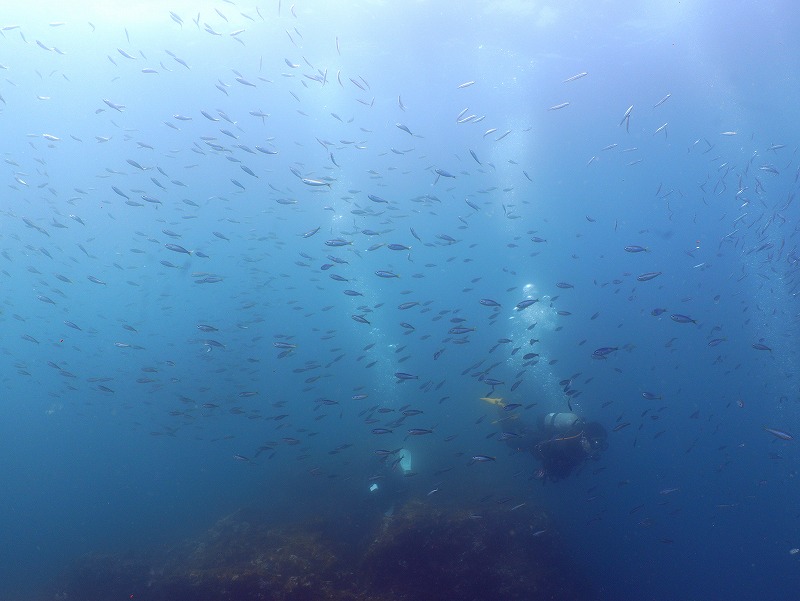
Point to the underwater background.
(276, 257)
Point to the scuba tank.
(559, 423)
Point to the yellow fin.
(494, 400)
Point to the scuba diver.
(561, 441)
(389, 486)
(569, 441)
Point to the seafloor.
(418, 553)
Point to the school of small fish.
(294, 259)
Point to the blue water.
(133, 432)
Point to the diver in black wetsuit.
(389, 486)
(561, 441)
(568, 441)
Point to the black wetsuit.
(562, 452)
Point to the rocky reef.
(418, 553)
